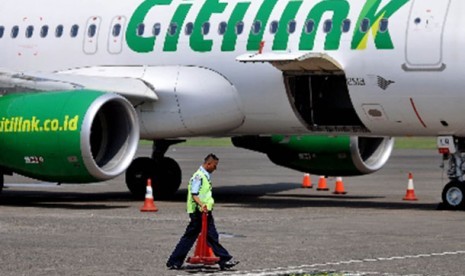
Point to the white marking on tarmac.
(304, 269)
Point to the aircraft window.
(156, 29)
(257, 25)
(116, 30)
(327, 26)
(189, 28)
(239, 27)
(59, 31)
(222, 28)
(173, 28)
(274, 26)
(140, 29)
(2, 31)
(44, 31)
(346, 25)
(365, 25)
(29, 31)
(291, 26)
(384, 24)
(309, 26)
(206, 28)
(74, 30)
(14, 31)
(92, 31)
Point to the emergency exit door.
(424, 45)
(91, 35)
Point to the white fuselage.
(412, 88)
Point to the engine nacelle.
(323, 155)
(68, 136)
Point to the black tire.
(453, 195)
(139, 171)
(2, 180)
(168, 178)
(164, 172)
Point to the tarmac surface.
(265, 219)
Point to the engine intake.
(323, 155)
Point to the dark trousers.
(190, 236)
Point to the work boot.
(227, 265)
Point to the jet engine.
(323, 155)
(67, 136)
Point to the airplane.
(320, 86)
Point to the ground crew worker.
(200, 199)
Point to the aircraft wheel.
(1, 183)
(137, 174)
(168, 178)
(453, 196)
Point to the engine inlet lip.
(131, 144)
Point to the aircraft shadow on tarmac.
(64, 200)
(269, 195)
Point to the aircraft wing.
(134, 89)
(294, 61)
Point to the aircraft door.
(115, 36)
(91, 35)
(424, 43)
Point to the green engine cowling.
(67, 136)
(323, 155)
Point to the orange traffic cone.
(322, 184)
(339, 190)
(307, 182)
(203, 253)
(410, 195)
(149, 205)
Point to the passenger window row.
(43, 31)
(257, 26)
(173, 28)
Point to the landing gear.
(164, 172)
(453, 194)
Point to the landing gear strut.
(453, 150)
(164, 172)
